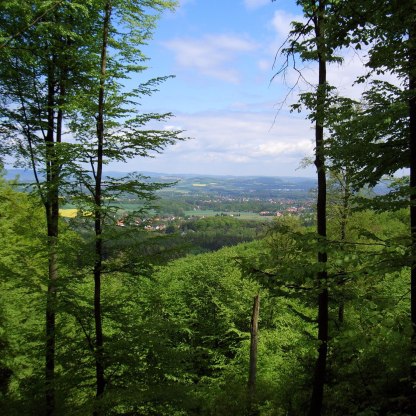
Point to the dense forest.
(216, 316)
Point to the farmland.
(245, 198)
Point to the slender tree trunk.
(99, 362)
(343, 229)
(50, 328)
(320, 367)
(253, 355)
(53, 172)
(52, 215)
(412, 146)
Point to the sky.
(222, 54)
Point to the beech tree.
(109, 127)
(57, 72)
(385, 127)
(41, 69)
(309, 40)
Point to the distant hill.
(217, 184)
(27, 175)
(22, 175)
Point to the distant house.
(266, 213)
(292, 209)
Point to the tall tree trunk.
(52, 215)
(320, 367)
(99, 362)
(412, 146)
(56, 97)
(346, 195)
(253, 355)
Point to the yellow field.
(68, 212)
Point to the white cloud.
(345, 75)
(282, 20)
(264, 64)
(342, 76)
(281, 25)
(255, 4)
(236, 142)
(274, 148)
(172, 128)
(211, 55)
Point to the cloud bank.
(236, 143)
(212, 55)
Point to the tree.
(391, 43)
(110, 128)
(310, 41)
(253, 356)
(42, 67)
(21, 275)
(56, 53)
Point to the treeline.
(170, 205)
(178, 239)
(211, 234)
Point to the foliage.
(176, 323)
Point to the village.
(222, 206)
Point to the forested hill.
(189, 182)
(178, 332)
(238, 186)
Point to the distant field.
(72, 213)
(68, 212)
(238, 215)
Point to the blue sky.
(222, 54)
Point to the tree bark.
(412, 147)
(253, 354)
(320, 367)
(99, 343)
(52, 215)
(346, 195)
